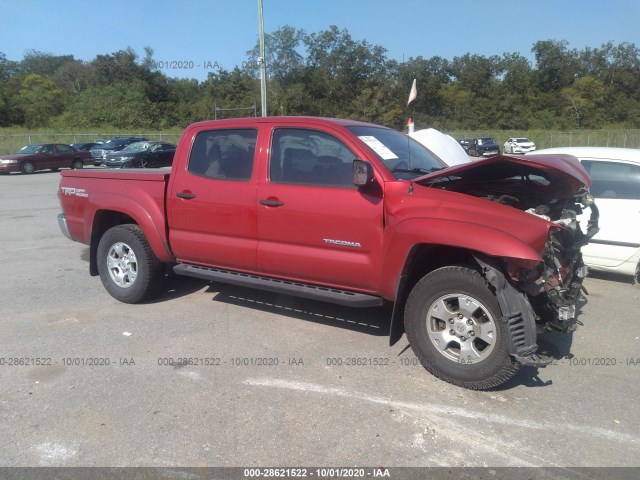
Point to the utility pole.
(263, 68)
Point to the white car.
(519, 145)
(615, 173)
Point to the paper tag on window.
(378, 147)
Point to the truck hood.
(526, 182)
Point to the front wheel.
(77, 164)
(128, 268)
(27, 167)
(453, 322)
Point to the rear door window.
(223, 154)
(614, 179)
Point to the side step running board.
(313, 292)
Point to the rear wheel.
(453, 322)
(128, 268)
(27, 167)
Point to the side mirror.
(362, 173)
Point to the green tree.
(8, 68)
(515, 93)
(230, 89)
(339, 68)
(457, 103)
(557, 66)
(40, 63)
(39, 99)
(73, 78)
(284, 62)
(116, 67)
(121, 105)
(585, 99)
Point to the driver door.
(313, 223)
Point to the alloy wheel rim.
(461, 328)
(122, 264)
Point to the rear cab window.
(226, 154)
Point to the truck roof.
(249, 121)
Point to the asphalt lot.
(269, 389)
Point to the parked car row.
(101, 151)
(487, 146)
(86, 146)
(480, 147)
(142, 155)
(129, 152)
(42, 156)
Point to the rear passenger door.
(616, 189)
(212, 201)
(64, 156)
(314, 225)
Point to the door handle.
(186, 195)
(269, 202)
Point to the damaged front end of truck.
(542, 295)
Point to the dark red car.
(42, 156)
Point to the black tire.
(124, 252)
(27, 167)
(77, 164)
(434, 313)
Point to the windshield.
(113, 143)
(30, 149)
(402, 155)
(137, 147)
(522, 140)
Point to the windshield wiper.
(448, 178)
(421, 171)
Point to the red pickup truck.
(476, 259)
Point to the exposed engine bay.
(555, 195)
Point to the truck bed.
(90, 196)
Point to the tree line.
(329, 73)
